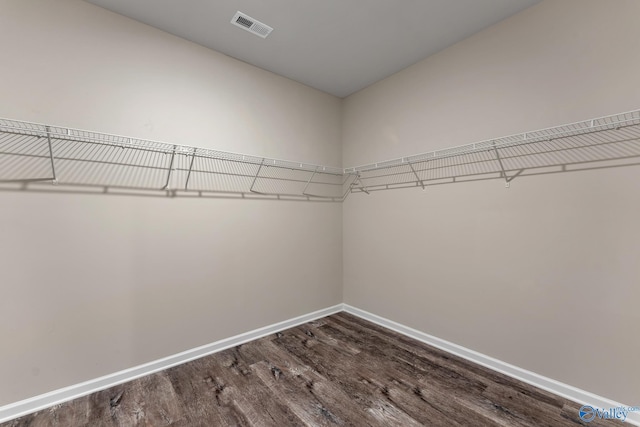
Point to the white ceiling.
(337, 46)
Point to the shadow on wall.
(359, 187)
(50, 188)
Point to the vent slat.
(244, 21)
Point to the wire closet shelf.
(591, 144)
(32, 154)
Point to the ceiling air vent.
(252, 25)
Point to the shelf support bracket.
(193, 157)
(255, 178)
(421, 182)
(54, 181)
(362, 187)
(344, 196)
(173, 155)
(507, 180)
(304, 192)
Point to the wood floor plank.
(365, 376)
(420, 356)
(409, 361)
(326, 395)
(339, 370)
(149, 400)
(229, 388)
(446, 359)
(204, 395)
(252, 395)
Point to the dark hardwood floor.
(340, 370)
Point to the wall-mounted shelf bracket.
(173, 156)
(54, 180)
(193, 157)
(304, 191)
(255, 178)
(421, 182)
(362, 187)
(507, 179)
(349, 189)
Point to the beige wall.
(95, 284)
(544, 275)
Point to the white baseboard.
(37, 403)
(569, 392)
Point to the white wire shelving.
(76, 160)
(591, 144)
(33, 153)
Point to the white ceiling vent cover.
(252, 25)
